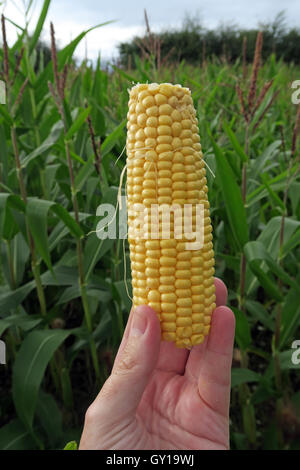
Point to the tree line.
(193, 43)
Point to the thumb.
(134, 363)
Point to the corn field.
(63, 297)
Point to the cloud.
(71, 17)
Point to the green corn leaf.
(270, 235)
(50, 418)
(268, 155)
(23, 321)
(241, 376)
(72, 445)
(260, 314)
(242, 329)
(48, 143)
(94, 250)
(32, 359)
(14, 436)
(214, 90)
(78, 123)
(274, 197)
(126, 75)
(37, 213)
(11, 299)
(122, 291)
(235, 143)
(255, 253)
(290, 316)
(111, 140)
(291, 243)
(232, 197)
(39, 26)
(84, 173)
(6, 115)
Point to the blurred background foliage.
(63, 295)
(193, 42)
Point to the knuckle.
(129, 359)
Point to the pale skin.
(160, 397)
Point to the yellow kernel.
(206, 330)
(197, 308)
(141, 119)
(183, 264)
(164, 139)
(168, 244)
(167, 270)
(153, 283)
(154, 296)
(183, 321)
(168, 317)
(178, 157)
(173, 101)
(151, 155)
(143, 93)
(164, 130)
(152, 245)
(163, 289)
(182, 283)
(165, 191)
(198, 317)
(148, 101)
(167, 261)
(168, 297)
(164, 164)
(153, 111)
(160, 99)
(184, 311)
(152, 121)
(161, 148)
(166, 89)
(184, 331)
(150, 131)
(152, 263)
(166, 156)
(169, 252)
(183, 343)
(165, 109)
(150, 142)
(149, 184)
(133, 118)
(184, 302)
(139, 108)
(166, 120)
(167, 280)
(176, 143)
(184, 256)
(176, 115)
(168, 307)
(155, 306)
(164, 181)
(176, 129)
(165, 200)
(179, 176)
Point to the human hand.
(161, 397)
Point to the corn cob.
(165, 166)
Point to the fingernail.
(139, 322)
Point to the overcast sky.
(70, 17)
